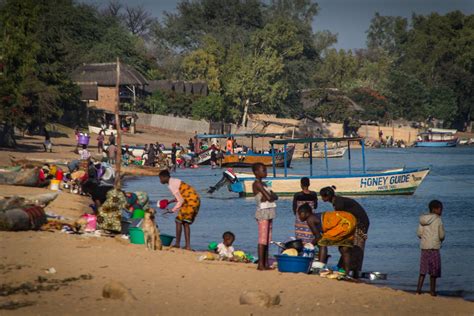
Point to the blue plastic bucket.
(293, 264)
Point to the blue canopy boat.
(388, 182)
(246, 157)
(436, 139)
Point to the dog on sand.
(150, 231)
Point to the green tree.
(201, 65)
(211, 108)
(255, 79)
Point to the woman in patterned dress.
(187, 206)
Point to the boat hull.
(331, 153)
(247, 160)
(396, 182)
(451, 143)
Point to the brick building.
(97, 84)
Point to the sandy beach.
(167, 282)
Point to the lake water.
(392, 247)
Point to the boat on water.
(337, 152)
(246, 157)
(437, 138)
(388, 182)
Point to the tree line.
(256, 57)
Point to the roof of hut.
(105, 74)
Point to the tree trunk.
(7, 136)
(246, 109)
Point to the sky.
(350, 19)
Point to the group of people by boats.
(346, 227)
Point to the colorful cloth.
(110, 213)
(337, 229)
(302, 230)
(137, 200)
(265, 231)
(430, 262)
(190, 206)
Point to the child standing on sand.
(431, 232)
(266, 212)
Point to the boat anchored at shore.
(388, 182)
(246, 158)
(437, 138)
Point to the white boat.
(331, 153)
(388, 182)
(96, 130)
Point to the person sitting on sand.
(431, 234)
(187, 206)
(266, 212)
(305, 196)
(225, 249)
(334, 228)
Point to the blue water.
(392, 247)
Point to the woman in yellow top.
(334, 228)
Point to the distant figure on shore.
(48, 145)
(266, 212)
(229, 146)
(112, 138)
(112, 153)
(100, 141)
(173, 156)
(349, 205)
(305, 196)
(151, 158)
(187, 206)
(84, 153)
(431, 234)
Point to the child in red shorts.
(431, 232)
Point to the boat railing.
(311, 141)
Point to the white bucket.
(54, 185)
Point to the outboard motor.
(228, 177)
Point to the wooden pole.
(118, 160)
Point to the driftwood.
(141, 171)
(32, 162)
(21, 201)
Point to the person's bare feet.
(176, 246)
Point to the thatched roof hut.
(105, 74)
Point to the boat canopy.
(312, 140)
(256, 135)
(315, 140)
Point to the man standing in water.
(187, 205)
